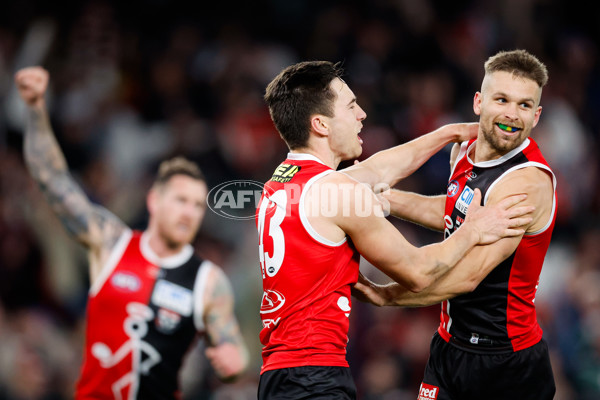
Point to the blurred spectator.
(140, 81)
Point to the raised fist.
(32, 83)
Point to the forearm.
(47, 166)
(43, 155)
(397, 295)
(427, 211)
(392, 165)
(438, 259)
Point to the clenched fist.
(32, 83)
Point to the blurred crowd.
(135, 82)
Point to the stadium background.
(135, 82)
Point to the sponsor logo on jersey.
(453, 187)
(464, 200)
(272, 301)
(428, 392)
(173, 297)
(470, 175)
(235, 199)
(166, 320)
(126, 281)
(474, 338)
(285, 172)
(270, 323)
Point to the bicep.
(377, 240)
(219, 319)
(534, 182)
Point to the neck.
(325, 155)
(160, 246)
(483, 151)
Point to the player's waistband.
(483, 345)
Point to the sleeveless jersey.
(306, 278)
(143, 314)
(500, 312)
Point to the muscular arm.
(227, 351)
(480, 261)
(391, 165)
(91, 225)
(427, 211)
(385, 247)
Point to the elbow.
(469, 286)
(418, 282)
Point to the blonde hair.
(519, 63)
(177, 166)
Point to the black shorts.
(454, 373)
(307, 383)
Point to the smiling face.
(346, 123)
(176, 209)
(508, 107)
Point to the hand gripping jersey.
(500, 312)
(306, 278)
(143, 314)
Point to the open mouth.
(359, 139)
(507, 128)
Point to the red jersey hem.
(298, 363)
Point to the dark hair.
(520, 63)
(298, 92)
(177, 166)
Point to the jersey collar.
(497, 161)
(173, 261)
(304, 157)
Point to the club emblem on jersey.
(166, 320)
(470, 175)
(465, 198)
(453, 187)
(272, 301)
(126, 281)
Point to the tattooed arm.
(92, 225)
(227, 351)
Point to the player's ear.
(152, 200)
(477, 103)
(536, 117)
(319, 124)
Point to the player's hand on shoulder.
(463, 131)
(504, 219)
(32, 83)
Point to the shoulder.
(530, 180)
(215, 281)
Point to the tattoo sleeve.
(221, 324)
(90, 224)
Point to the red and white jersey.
(500, 312)
(306, 278)
(143, 314)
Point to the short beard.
(500, 145)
